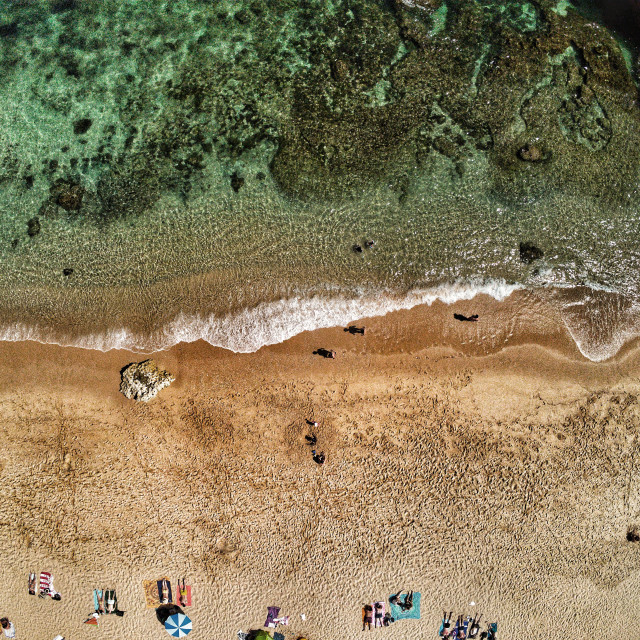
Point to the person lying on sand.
(475, 627)
(32, 584)
(446, 624)
(100, 598)
(459, 316)
(318, 458)
(325, 353)
(311, 440)
(408, 601)
(182, 593)
(164, 598)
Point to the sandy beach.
(508, 479)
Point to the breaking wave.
(267, 323)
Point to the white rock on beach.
(143, 380)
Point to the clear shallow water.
(229, 156)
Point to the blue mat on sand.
(412, 614)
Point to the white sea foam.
(265, 324)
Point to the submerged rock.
(143, 380)
(33, 227)
(529, 252)
(531, 153)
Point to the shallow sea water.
(237, 151)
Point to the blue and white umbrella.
(178, 625)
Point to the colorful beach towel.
(151, 595)
(412, 614)
(271, 617)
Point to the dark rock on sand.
(67, 272)
(142, 380)
(633, 533)
(529, 252)
(33, 227)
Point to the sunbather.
(445, 627)
(32, 584)
(164, 595)
(182, 593)
(492, 630)
(408, 601)
(318, 458)
(378, 608)
(8, 628)
(475, 627)
(112, 602)
(368, 617)
(388, 619)
(100, 599)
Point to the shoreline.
(509, 315)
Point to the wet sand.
(507, 479)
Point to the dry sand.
(507, 479)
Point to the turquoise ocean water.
(172, 171)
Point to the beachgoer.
(182, 591)
(165, 592)
(111, 601)
(408, 601)
(8, 628)
(369, 243)
(475, 627)
(100, 597)
(311, 440)
(388, 619)
(368, 616)
(395, 598)
(312, 423)
(459, 316)
(32, 584)
(491, 631)
(318, 457)
(446, 624)
(325, 353)
(352, 329)
(378, 614)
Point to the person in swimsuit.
(408, 601)
(182, 591)
(100, 597)
(368, 616)
(446, 625)
(111, 601)
(378, 614)
(475, 627)
(32, 584)
(165, 593)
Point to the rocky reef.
(143, 380)
(330, 98)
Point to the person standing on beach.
(8, 628)
(367, 619)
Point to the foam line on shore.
(267, 323)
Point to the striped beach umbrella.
(178, 625)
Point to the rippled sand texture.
(509, 480)
(149, 149)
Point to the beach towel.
(46, 584)
(412, 614)
(151, 597)
(187, 598)
(97, 594)
(492, 630)
(271, 616)
(381, 613)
